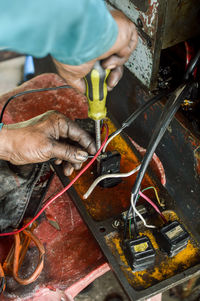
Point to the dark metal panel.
(182, 21)
(178, 150)
(142, 5)
(144, 62)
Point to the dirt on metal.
(164, 267)
(104, 203)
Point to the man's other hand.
(43, 138)
(113, 59)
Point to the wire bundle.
(134, 116)
(168, 113)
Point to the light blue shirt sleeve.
(72, 31)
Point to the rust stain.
(197, 157)
(108, 202)
(105, 203)
(164, 268)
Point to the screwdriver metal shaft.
(98, 133)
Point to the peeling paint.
(140, 62)
(197, 157)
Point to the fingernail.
(93, 149)
(81, 156)
(71, 171)
(68, 172)
(111, 67)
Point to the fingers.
(113, 61)
(114, 77)
(74, 75)
(58, 161)
(78, 84)
(68, 168)
(68, 153)
(70, 129)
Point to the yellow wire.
(156, 193)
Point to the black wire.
(168, 113)
(127, 123)
(28, 92)
(139, 111)
(192, 65)
(126, 221)
(142, 109)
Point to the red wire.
(63, 190)
(189, 55)
(153, 205)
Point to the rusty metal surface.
(144, 61)
(100, 211)
(62, 273)
(178, 150)
(160, 24)
(105, 203)
(164, 267)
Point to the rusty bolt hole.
(102, 229)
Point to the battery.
(109, 164)
(172, 238)
(139, 253)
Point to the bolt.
(116, 223)
(139, 22)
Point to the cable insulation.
(108, 176)
(168, 113)
(153, 205)
(29, 92)
(140, 216)
(156, 193)
(134, 116)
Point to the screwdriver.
(96, 92)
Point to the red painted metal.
(73, 259)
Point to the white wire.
(140, 216)
(111, 138)
(103, 177)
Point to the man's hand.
(42, 138)
(113, 59)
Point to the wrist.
(4, 143)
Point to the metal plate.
(99, 213)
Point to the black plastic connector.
(109, 164)
(139, 253)
(172, 238)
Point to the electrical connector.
(172, 238)
(139, 253)
(109, 163)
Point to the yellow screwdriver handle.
(96, 91)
